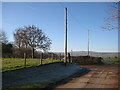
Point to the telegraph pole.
(65, 36)
(71, 56)
(88, 42)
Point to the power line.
(73, 17)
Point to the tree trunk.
(32, 52)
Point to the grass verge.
(18, 63)
(31, 86)
(111, 60)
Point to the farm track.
(100, 76)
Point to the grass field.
(17, 63)
(112, 60)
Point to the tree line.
(27, 39)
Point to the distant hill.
(96, 54)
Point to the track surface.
(100, 76)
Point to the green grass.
(30, 86)
(112, 60)
(18, 63)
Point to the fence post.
(25, 58)
(52, 57)
(60, 56)
(69, 57)
(71, 60)
(41, 58)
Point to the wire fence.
(46, 58)
(26, 61)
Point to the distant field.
(111, 60)
(17, 63)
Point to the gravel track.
(100, 76)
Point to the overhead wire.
(73, 17)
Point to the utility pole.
(65, 36)
(88, 42)
(71, 56)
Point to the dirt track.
(101, 76)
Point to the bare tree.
(3, 37)
(111, 22)
(33, 37)
(19, 37)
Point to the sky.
(50, 17)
